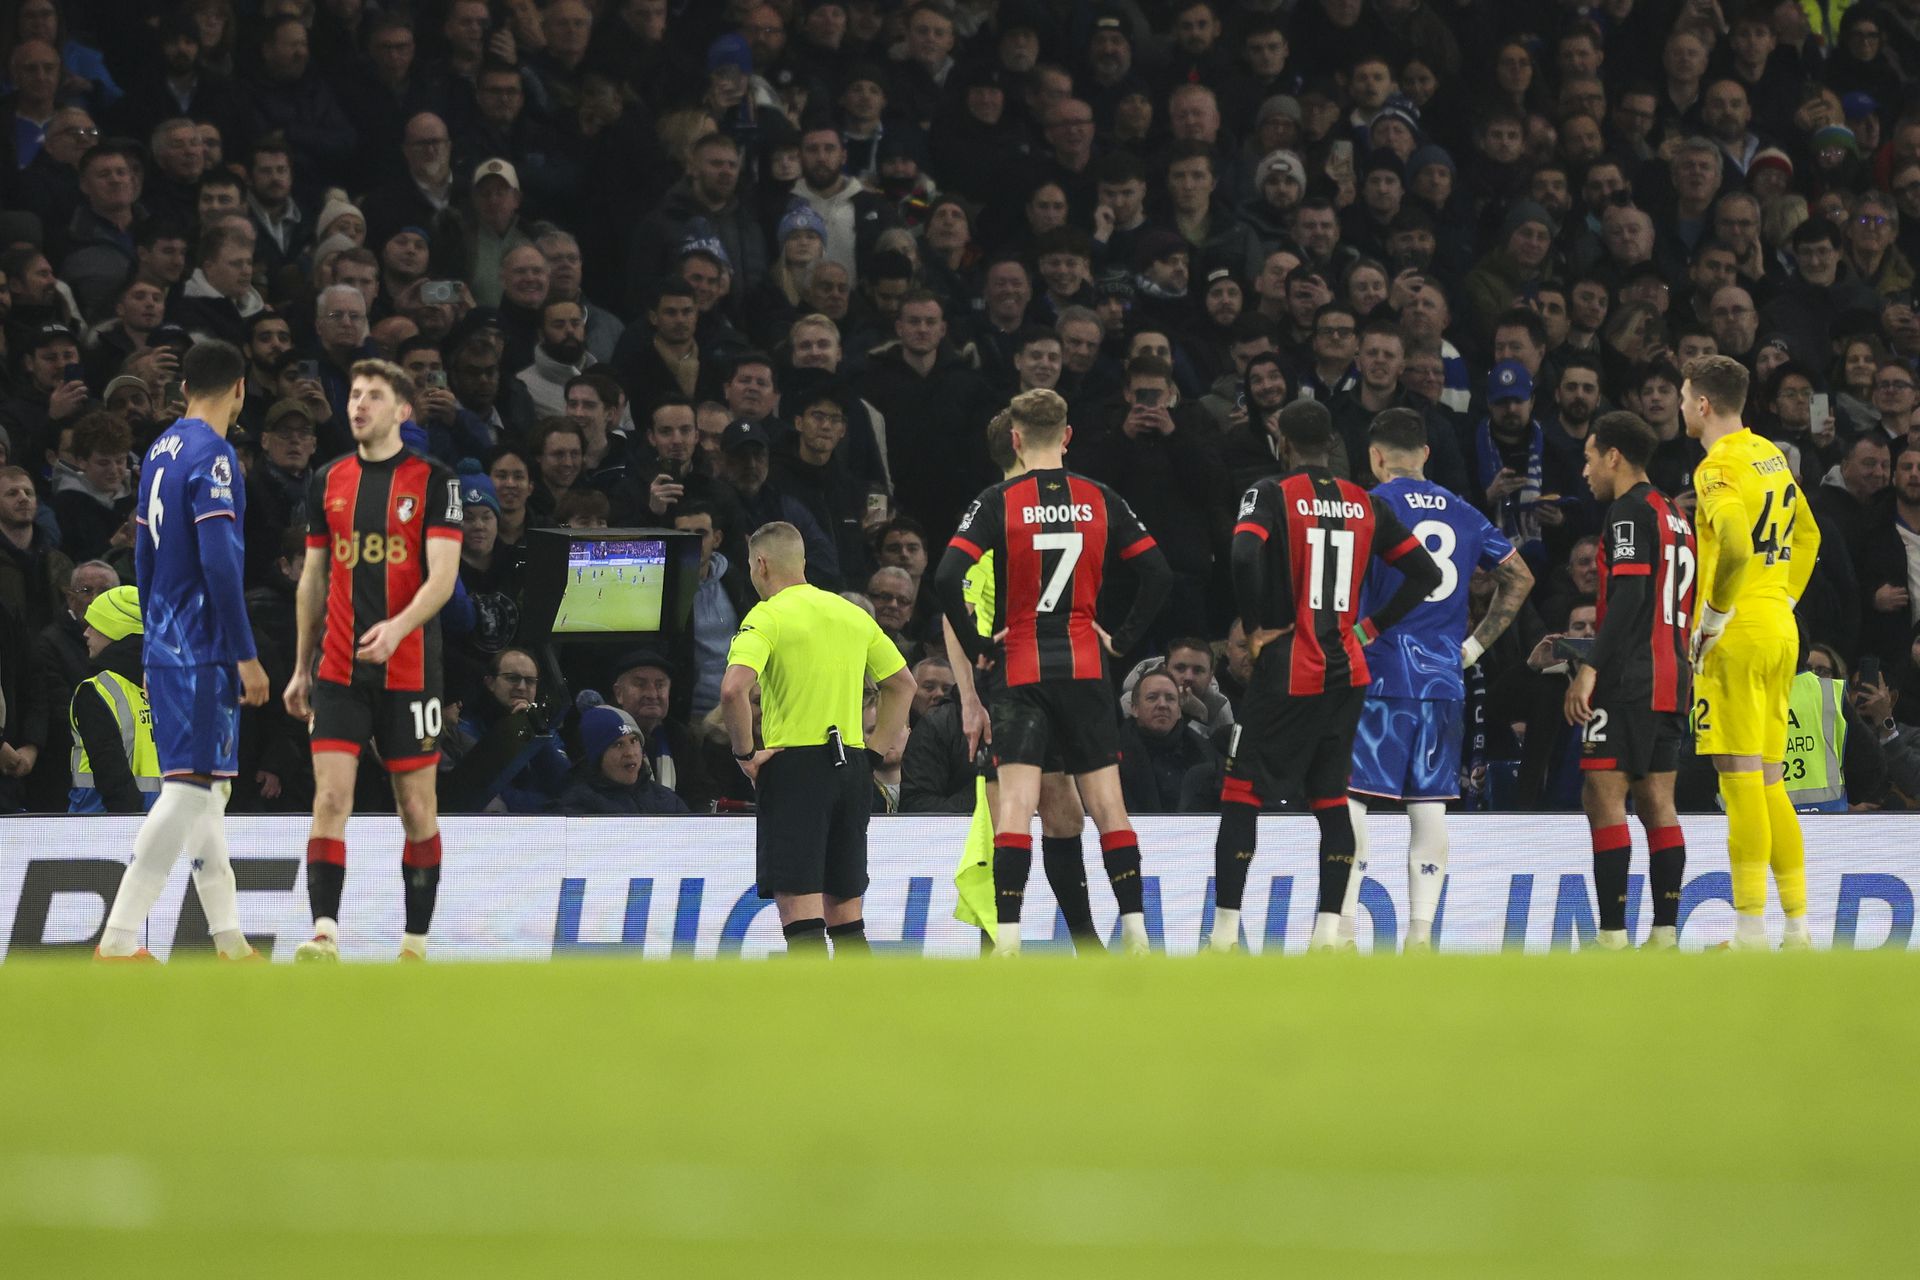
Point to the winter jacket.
(936, 433)
(935, 774)
(592, 792)
(654, 245)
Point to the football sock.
(213, 875)
(1612, 855)
(420, 873)
(1336, 852)
(1120, 851)
(1426, 865)
(1667, 870)
(1788, 850)
(1350, 905)
(1226, 928)
(1012, 864)
(1066, 867)
(806, 937)
(327, 927)
(1233, 851)
(1749, 839)
(165, 832)
(849, 939)
(326, 876)
(413, 944)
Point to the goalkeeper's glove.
(1712, 623)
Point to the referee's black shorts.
(810, 827)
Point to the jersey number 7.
(1069, 545)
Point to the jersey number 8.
(1438, 538)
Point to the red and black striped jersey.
(1315, 535)
(1052, 534)
(374, 518)
(1646, 602)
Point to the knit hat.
(1280, 104)
(330, 245)
(703, 239)
(332, 212)
(1836, 136)
(1858, 105)
(476, 490)
(115, 614)
(600, 728)
(1521, 212)
(801, 216)
(1401, 108)
(1428, 155)
(1289, 161)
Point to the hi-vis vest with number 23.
(1816, 737)
(128, 701)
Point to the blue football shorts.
(1408, 749)
(196, 719)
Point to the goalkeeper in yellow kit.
(1756, 554)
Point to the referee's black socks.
(1012, 864)
(849, 939)
(806, 937)
(1120, 851)
(1066, 867)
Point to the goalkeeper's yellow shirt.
(1746, 492)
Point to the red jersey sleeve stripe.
(1144, 545)
(1402, 549)
(1259, 531)
(962, 544)
(443, 531)
(316, 542)
(1629, 570)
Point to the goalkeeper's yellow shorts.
(1741, 692)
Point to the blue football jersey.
(1420, 656)
(189, 551)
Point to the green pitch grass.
(629, 605)
(1729, 1115)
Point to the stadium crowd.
(709, 263)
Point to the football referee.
(811, 653)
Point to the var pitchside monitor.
(608, 584)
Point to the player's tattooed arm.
(1512, 580)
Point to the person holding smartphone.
(54, 395)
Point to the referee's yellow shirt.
(812, 651)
